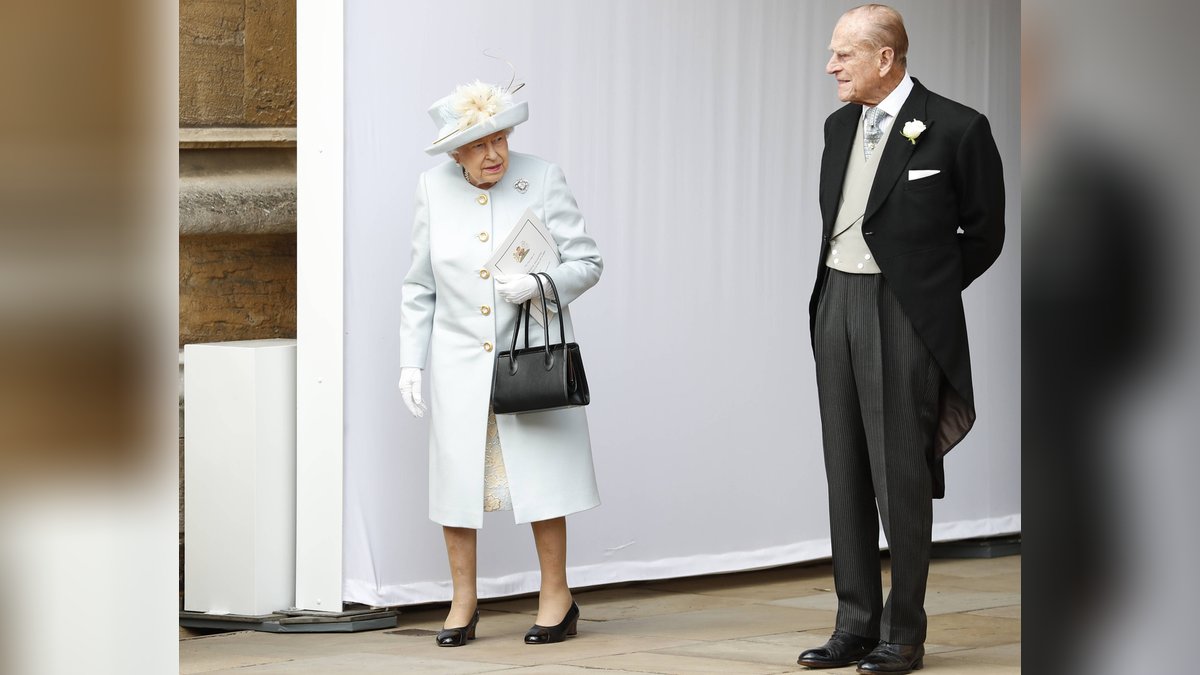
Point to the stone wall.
(237, 166)
(237, 63)
(236, 287)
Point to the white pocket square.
(917, 174)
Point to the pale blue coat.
(443, 322)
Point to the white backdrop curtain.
(691, 133)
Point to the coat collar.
(898, 150)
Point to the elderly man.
(912, 204)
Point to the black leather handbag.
(534, 379)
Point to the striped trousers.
(878, 389)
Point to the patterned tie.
(872, 132)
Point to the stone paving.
(749, 622)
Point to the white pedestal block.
(240, 477)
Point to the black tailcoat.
(931, 237)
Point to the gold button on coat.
(482, 199)
(483, 236)
(485, 310)
(483, 274)
(487, 346)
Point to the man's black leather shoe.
(842, 649)
(893, 658)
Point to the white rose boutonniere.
(912, 130)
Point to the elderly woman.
(453, 315)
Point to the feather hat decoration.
(473, 111)
(478, 102)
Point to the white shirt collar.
(894, 101)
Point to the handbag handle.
(525, 311)
(562, 329)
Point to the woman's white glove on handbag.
(516, 288)
(410, 390)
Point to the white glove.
(410, 391)
(516, 288)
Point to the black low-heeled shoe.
(541, 635)
(457, 637)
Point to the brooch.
(521, 185)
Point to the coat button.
(867, 234)
(483, 236)
(485, 310)
(487, 346)
(482, 199)
(483, 274)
